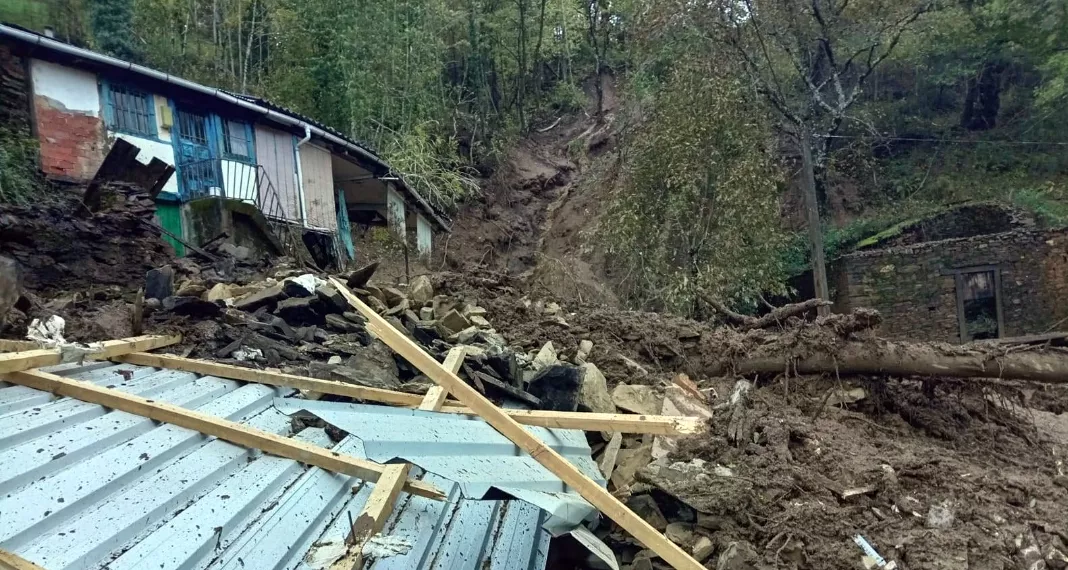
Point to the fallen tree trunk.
(904, 359)
(776, 316)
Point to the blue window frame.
(238, 143)
(129, 110)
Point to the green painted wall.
(170, 217)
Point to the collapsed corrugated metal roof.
(85, 487)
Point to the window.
(130, 110)
(978, 305)
(237, 139)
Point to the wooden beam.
(17, 345)
(436, 395)
(211, 425)
(12, 561)
(508, 427)
(27, 359)
(626, 423)
(270, 378)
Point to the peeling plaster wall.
(66, 105)
(424, 236)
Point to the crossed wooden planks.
(19, 367)
(508, 427)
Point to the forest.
(731, 110)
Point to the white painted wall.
(424, 236)
(74, 89)
(395, 216)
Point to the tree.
(809, 61)
(112, 24)
(697, 210)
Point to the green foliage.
(112, 24)
(26, 13)
(1049, 204)
(19, 179)
(697, 208)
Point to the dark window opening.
(978, 294)
(237, 139)
(131, 110)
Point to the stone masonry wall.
(14, 92)
(907, 285)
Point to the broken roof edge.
(287, 118)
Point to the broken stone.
(628, 463)
(397, 309)
(358, 279)
(593, 395)
(467, 335)
(502, 361)
(238, 252)
(680, 533)
(842, 397)
(557, 387)
(737, 556)
(334, 360)
(425, 334)
(377, 305)
(545, 357)
(492, 339)
(1061, 481)
(393, 296)
(939, 516)
(420, 290)
(296, 289)
(634, 366)
(552, 309)
(474, 311)
(485, 381)
(454, 321)
(442, 305)
(190, 289)
(479, 321)
(340, 324)
(584, 349)
(264, 298)
(426, 314)
(332, 300)
(220, 292)
(191, 307)
(636, 399)
(1056, 559)
(159, 283)
(645, 507)
(410, 316)
(678, 401)
(703, 548)
(299, 311)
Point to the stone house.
(975, 272)
(296, 171)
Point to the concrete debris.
(420, 290)
(637, 399)
(545, 357)
(593, 394)
(48, 332)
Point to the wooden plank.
(626, 423)
(12, 561)
(379, 505)
(436, 395)
(270, 378)
(211, 425)
(17, 345)
(27, 359)
(508, 427)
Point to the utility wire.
(964, 141)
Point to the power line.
(963, 141)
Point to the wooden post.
(12, 561)
(508, 427)
(812, 217)
(207, 424)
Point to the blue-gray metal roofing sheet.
(84, 487)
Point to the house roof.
(268, 111)
(82, 486)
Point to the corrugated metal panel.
(318, 174)
(82, 487)
(278, 156)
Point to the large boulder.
(420, 290)
(557, 386)
(159, 283)
(593, 394)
